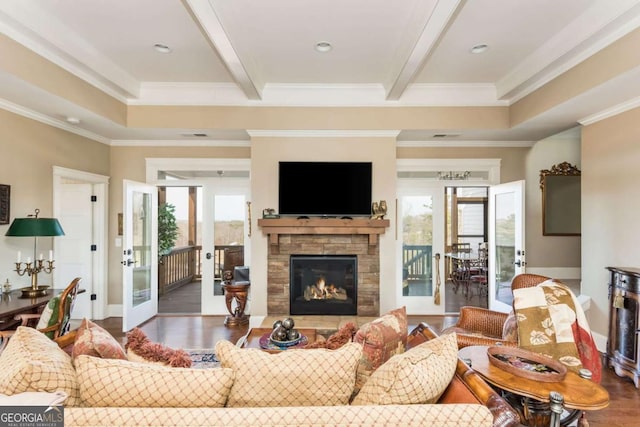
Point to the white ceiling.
(256, 52)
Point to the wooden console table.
(11, 304)
(277, 226)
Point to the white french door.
(420, 237)
(139, 254)
(506, 241)
(225, 208)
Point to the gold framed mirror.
(560, 187)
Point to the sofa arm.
(473, 385)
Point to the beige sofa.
(467, 400)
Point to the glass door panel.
(506, 241)
(420, 215)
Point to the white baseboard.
(114, 310)
(601, 341)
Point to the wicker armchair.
(480, 326)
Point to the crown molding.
(599, 26)
(467, 144)
(610, 112)
(33, 115)
(183, 93)
(178, 143)
(323, 133)
(57, 43)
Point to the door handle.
(208, 255)
(128, 262)
(520, 263)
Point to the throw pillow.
(338, 339)
(420, 375)
(33, 362)
(510, 328)
(49, 315)
(381, 338)
(141, 349)
(120, 383)
(294, 377)
(93, 340)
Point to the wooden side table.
(237, 291)
(579, 394)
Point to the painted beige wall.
(555, 256)
(29, 150)
(610, 206)
(266, 153)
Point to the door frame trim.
(100, 211)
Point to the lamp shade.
(30, 227)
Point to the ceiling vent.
(446, 135)
(197, 135)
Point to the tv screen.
(336, 189)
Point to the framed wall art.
(5, 203)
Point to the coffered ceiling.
(263, 53)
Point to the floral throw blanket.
(551, 322)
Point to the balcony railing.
(184, 265)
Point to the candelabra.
(32, 226)
(32, 269)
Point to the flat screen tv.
(325, 189)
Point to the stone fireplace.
(323, 237)
(323, 284)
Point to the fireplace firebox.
(323, 284)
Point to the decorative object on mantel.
(454, 176)
(5, 203)
(379, 209)
(35, 227)
(561, 190)
(269, 213)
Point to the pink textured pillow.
(381, 338)
(141, 349)
(93, 340)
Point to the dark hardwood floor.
(202, 332)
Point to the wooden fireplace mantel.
(276, 226)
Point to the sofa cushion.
(510, 327)
(420, 375)
(33, 362)
(121, 383)
(294, 377)
(381, 338)
(93, 340)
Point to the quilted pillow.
(93, 340)
(420, 375)
(381, 338)
(33, 362)
(120, 383)
(294, 377)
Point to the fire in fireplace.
(323, 284)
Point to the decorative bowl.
(289, 343)
(526, 364)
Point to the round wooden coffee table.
(533, 396)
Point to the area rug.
(203, 359)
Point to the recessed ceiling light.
(323, 47)
(479, 48)
(73, 120)
(162, 48)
